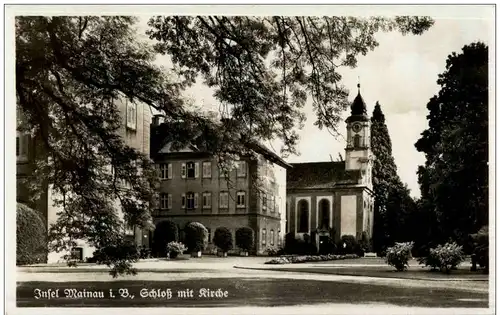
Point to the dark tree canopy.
(71, 70)
(392, 198)
(454, 180)
(263, 69)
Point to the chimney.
(158, 120)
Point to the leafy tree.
(71, 70)
(245, 238)
(196, 235)
(454, 180)
(165, 232)
(263, 69)
(223, 239)
(69, 73)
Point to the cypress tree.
(392, 199)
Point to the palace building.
(194, 189)
(134, 130)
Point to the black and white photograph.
(249, 159)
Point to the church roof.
(319, 175)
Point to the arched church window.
(324, 213)
(303, 226)
(357, 141)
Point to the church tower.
(357, 152)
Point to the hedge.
(31, 240)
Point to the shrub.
(444, 257)
(310, 258)
(195, 236)
(31, 241)
(272, 251)
(399, 255)
(125, 251)
(244, 238)
(175, 249)
(165, 232)
(223, 239)
(350, 244)
(481, 247)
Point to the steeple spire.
(358, 107)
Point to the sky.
(400, 74)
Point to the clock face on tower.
(356, 127)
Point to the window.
(22, 141)
(240, 199)
(131, 115)
(303, 225)
(165, 201)
(165, 170)
(272, 201)
(279, 238)
(190, 200)
(357, 141)
(224, 200)
(264, 236)
(264, 202)
(223, 173)
(129, 229)
(207, 200)
(77, 253)
(272, 238)
(207, 169)
(241, 171)
(324, 213)
(189, 170)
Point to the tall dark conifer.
(384, 172)
(393, 203)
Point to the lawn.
(248, 292)
(414, 272)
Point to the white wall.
(348, 215)
(280, 177)
(52, 215)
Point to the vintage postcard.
(247, 159)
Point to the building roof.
(268, 154)
(319, 175)
(165, 147)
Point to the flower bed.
(303, 259)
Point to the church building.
(333, 199)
